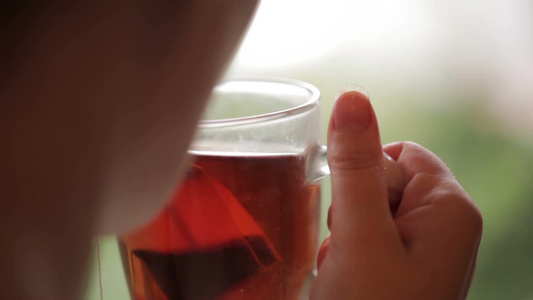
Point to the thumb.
(360, 207)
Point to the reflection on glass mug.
(244, 223)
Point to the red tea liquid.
(240, 227)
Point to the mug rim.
(313, 100)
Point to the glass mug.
(244, 224)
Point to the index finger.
(414, 159)
(423, 172)
(439, 223)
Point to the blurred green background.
(454, 76)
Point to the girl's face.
(110, 95)
(171, 58)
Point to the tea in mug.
(241, 226)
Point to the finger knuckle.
(464, 209)
(472, 216)
(355, 161)
(416, 147)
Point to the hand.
(426, 251)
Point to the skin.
(426, 251)
(99, 104)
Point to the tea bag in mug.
(204, 235)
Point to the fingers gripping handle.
(317, 168)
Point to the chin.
(138, 185)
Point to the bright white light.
(289, 32)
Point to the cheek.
(159, 86)
(144, 160)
